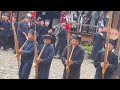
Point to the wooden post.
(115, 19)
(116, 74)
(0, 15)
(107, 41)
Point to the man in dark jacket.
(11, 35)
(46, 57)
(27, 56)
(46, 27)
(112, 62)
(22, 30)
(61, 44)
(51, 33)
(40, 30)
(1, 35)
(76, 59)
(6, 27)
(98, 42)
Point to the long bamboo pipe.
(107, 41)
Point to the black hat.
(40, 19)
(112, 42)
(31, 31)
(77, 37)
(47, 36)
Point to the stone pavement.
(9, 69)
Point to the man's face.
(14, 19)
(47, 41)
(50, 32)
(74, 42)
(42, 22)
(62, 25)
(26, 20)
(6, 18)
(110, 46)
(47, 23)
(30, 36)
(100, 30)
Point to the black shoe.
(5, 49)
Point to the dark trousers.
(11, 41)
(1, 41)
(60, 46)
(74, 73)
(24, 70)
(98, 75)
(5, 42)
(43, 71)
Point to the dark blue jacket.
(45, 30)
(47, 54)
(1, 31)
(53, 40)
(62, 36)
(98, 43)
(28, 54)
(7, 27)
(11, 31)
(22, 27)
(77, 58)
(40, 31)
(47, 57)
(112, 59)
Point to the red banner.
(67, 27)
(10, 16)
(34, 14)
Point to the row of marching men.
(22, 27)
(27, 52)
(76, 54)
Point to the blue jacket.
(47, 57)
(11, 31)
(7, 27)
(47, 54)
(77, 58)
(62, 36)
(112, 59)
(1, 31)
(22, 27)
(28, 54)
(98, 43)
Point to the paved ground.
(9, 70)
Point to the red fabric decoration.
(10, 16)
(67, 27)
(34, 14)
(62, 18)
